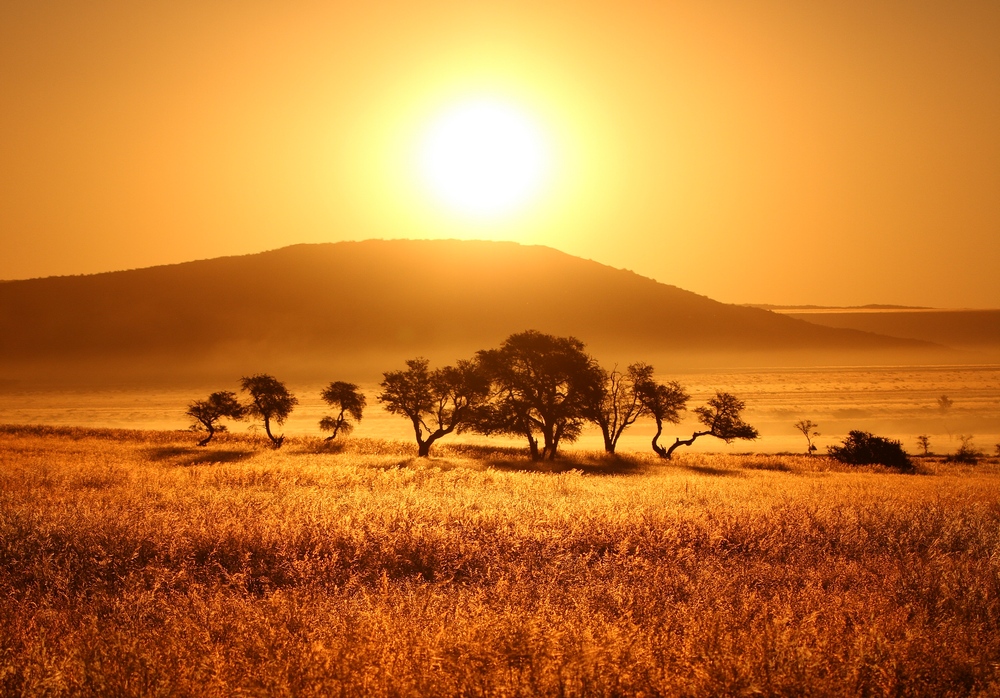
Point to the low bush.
(864, 448)
(966, 453)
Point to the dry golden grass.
(134, 563)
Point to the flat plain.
(895, 401)
(136, 563)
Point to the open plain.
(135, 563)
(895, 401)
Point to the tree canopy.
(436, 402)
(349, 402)
(541, 384)
(618, 403)
(208, 413)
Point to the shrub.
(966, 453)
(864, 448)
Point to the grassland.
(134, 563)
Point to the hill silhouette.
(974, 330)
(363, 307)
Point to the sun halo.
(484, 159)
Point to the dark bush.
(967, 453)
(864, 448)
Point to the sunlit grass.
(136, 563)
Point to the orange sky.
(829, 152)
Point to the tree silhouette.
(663, 401)
(436, 402)
(808, 429)
(350, 403)
(541, 384)
(944, 404)
(270, 401)
(208, 413)
(925, 443)
(617, 404)
(722, 417)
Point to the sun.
(484, 159)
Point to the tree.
(541, 384)
(436, 402)
(617, 404)
(663, 401)
(208, 413)
(722, 417)
(925, 443)
(864, 448)
(270, 401)
(350, 403)
(808, 429)
(944, 404)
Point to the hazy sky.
(829, 152)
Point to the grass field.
(134, 563)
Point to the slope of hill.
(361, 304)
(975, 330)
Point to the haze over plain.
(360, 308)
(836, 153)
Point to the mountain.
(364, 307)
(973, 330)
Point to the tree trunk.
(533, 447)
(657, 448)
(549, 444)
(211, 433)
(276, 441)
(685, 442)
(424, 446)
(609, 440)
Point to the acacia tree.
(808, 429)
(664, 401)
(348, 399)
(925, 443)
(270, 401)
(208, 413)
(541, 384)
(436, 402)
(617, 403)
(722, 417)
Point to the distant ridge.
(308, 308)
(869, 306)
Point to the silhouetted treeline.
(536, 386)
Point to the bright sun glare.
(484, 159)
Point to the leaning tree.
(270, 401)
(208, 413)
(348, 401)
(722, 416)
(664, 401)
(541, 384)
(436, 402)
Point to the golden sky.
(828, 152)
